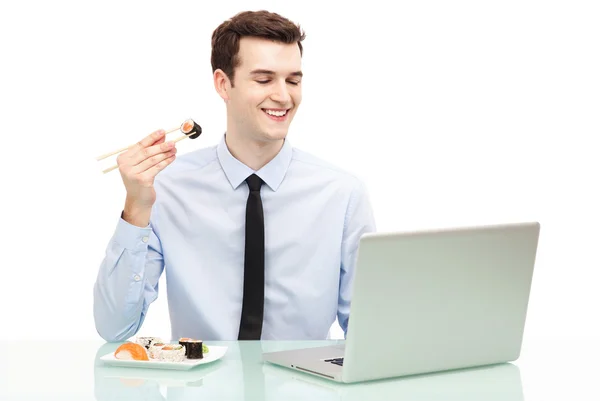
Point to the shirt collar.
(272, 173)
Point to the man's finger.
(153, 170)
(161, 140)
(157, 161)
(149, 140)
(145, 153)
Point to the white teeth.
(276, 113)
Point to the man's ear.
(222, 84)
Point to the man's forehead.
(264, 55)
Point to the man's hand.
(138, 167)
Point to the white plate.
(215, 352)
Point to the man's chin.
(274, 136)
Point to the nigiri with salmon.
(132, 352)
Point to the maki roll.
(193, 348)
(191, 126)
(147, 342)
(155, 349)
(172, 353)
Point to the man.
(257, 239)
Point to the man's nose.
(281, 93)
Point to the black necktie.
(254, 264)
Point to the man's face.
(267, 89)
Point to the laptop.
(430, 301)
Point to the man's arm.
(359, 220)
(127, 281)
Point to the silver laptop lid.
(439, 299)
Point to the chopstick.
(174, 141)
(104, 156)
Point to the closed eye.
(289, 82)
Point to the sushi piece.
(132, 352)
(154, 350)
(191, 126)
(172, 353)
(147, 342)
(193, 348)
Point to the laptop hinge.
(312, 371)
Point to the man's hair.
(258, 24)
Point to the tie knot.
(254, 182)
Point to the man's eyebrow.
(269, 72)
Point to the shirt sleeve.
(127, 281)
(359, 220)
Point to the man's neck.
(253, 154)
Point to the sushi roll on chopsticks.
(191, 127)
(191, 130)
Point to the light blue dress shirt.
(314, 216)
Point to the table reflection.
(241, 375)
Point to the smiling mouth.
(277, 115)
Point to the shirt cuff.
(132, 237)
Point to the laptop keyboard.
(336, 361)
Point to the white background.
(452, 112)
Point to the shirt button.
(137, 277)
(145, 239)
